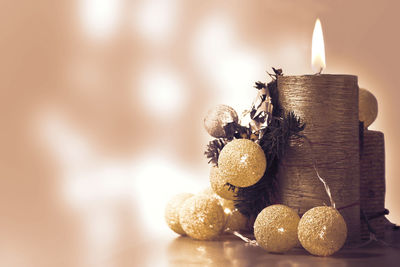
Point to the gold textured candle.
(328, 104)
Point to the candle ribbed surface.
(328, 104)
(372, 182)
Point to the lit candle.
(318, 48)
(328, 104)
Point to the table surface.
(231, 251)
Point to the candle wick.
(319, 72)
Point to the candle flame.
(318, 48)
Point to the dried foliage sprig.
(251, 200)
(214, 147)
(273, 140)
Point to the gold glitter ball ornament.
(202, 217)
(242, 162)
(172, 212)
(367, 107)
(218, 184)
(275, 228)
(234, 220)
(322, 231)
(217, 118)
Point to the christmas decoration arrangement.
(299, 168)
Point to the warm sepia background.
(102, 105)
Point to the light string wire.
(372, 234)
(315, 164)
(245, 239)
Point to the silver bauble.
(217, 118)
(367, 107)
